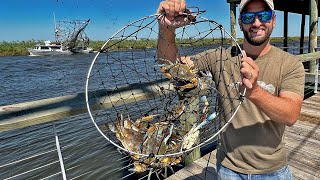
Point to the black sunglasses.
(249, 17)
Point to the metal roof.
(293, 6)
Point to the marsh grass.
(19, 48)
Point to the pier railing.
(45, 113)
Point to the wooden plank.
(299, 174)
(212, 157)
(311, 131)
(205, 164)
(305, 157)
(183, 174)
(198, 171)
(314, 172)
(302, 144)
(312, 134)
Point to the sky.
(34, 19)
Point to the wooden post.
(187, 120)
(233, 22)
(285, 31)
(303, 24)
(313, 31)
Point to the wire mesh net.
(159, 112)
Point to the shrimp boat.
(70, 38)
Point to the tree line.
(19, 48)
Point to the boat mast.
(56, 30)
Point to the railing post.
(59, 153)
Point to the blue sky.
(33, 19)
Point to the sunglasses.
(249, 17)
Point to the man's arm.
(284, 109)
(166, 48)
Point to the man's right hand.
(172, 13)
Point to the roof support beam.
(313, 31)
(233, 21)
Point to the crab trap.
(159, 111)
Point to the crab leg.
(169, 135)
(206, 121)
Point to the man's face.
(257, 32)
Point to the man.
(252, 145)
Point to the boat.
(70, 38)
(49, 49)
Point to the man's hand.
(172, 8)
(249, 71)
(172, 13)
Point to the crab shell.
(130, 138)
(181, 74)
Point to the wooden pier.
(302, 142)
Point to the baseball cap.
(243, 3)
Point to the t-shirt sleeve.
(206, 60)
(294, 77)
(202, 60)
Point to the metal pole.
(59, 153)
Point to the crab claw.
(165, 71)
(138, 167)
(194, 83)
(190, 139)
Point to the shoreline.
(19, 48)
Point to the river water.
(29, 153)
(86, 153)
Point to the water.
(30, 153)
(87, 155)
(29, 78)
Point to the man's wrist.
(167, 32)
(256, 92)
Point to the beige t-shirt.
(253, 143)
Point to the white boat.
(49, 49)
(84, 50)
(66, 42)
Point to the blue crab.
(145, 137)
(127, 133)
(181, 75)
(160, 138)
